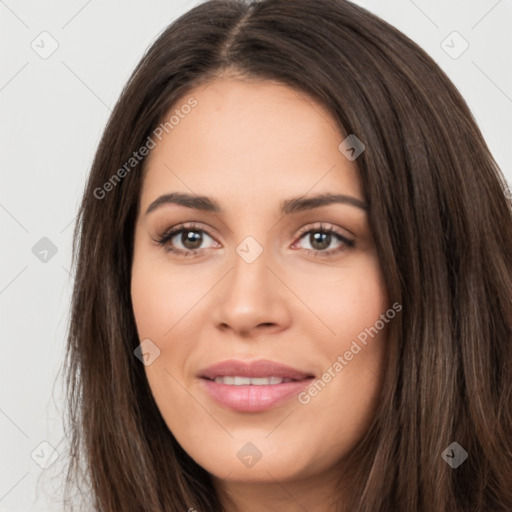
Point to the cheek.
(351, 306)
(345, 300)
(149, 300)
(160, 297)
(159, 300)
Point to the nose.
(252, 299)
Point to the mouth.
(252, 386)
(238, 380)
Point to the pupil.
(191, 237)
(320, 238)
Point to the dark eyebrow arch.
(299, 204)
(288, 206)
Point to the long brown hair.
(442, 226)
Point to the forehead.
(249, 140)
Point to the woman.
(293, 277)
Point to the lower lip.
(253, 398)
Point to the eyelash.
(169, 234)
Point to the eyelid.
(324, 226)
(191, 226)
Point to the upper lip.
(259, 368)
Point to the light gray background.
(53, 113)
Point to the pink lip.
(260, 368)
(251, 398)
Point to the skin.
(250, 145)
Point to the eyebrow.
(289, 206)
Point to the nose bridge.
(250, 272)
(250, 295)
(251, 250)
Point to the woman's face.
(270, 330)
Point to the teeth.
(253, 381)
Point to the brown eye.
(322, 239)
(191, 239)
(185, 240)
(319, 241)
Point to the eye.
(321, 237)
(188, 240)
(190, 237)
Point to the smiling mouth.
(251, 381)
(252, 386)
(253, 370)
(255, 394)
